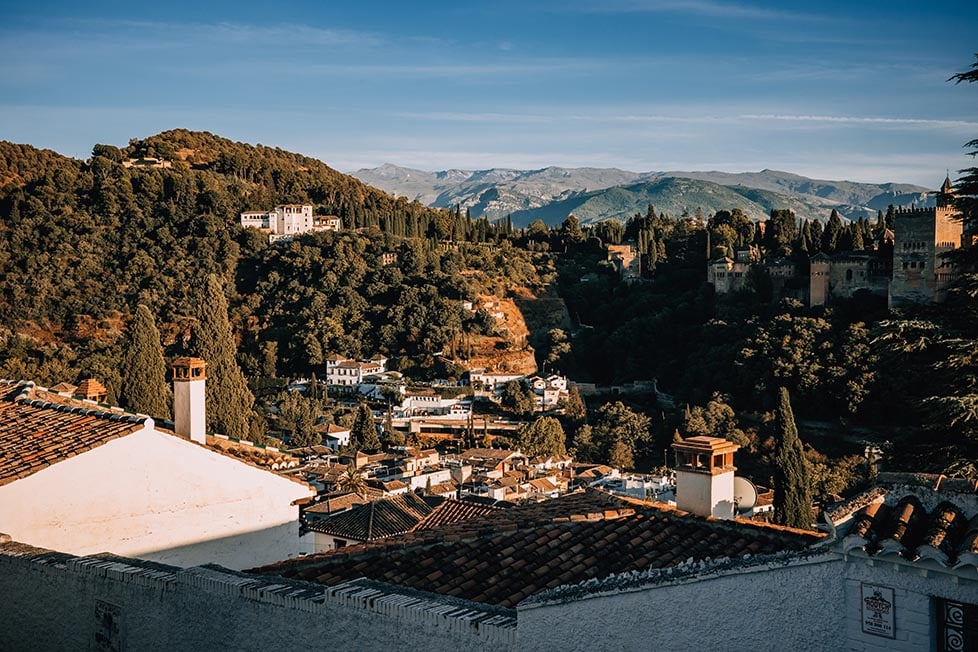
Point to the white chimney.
(705, 476)
(189, 417)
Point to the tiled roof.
(454, 511)
(598, 471)
(376, 520)
(488, 454)
(895, 522)
(388, 517)
(336, 503)
(444, 489)
(330, 428)
(544, 485)
(34, 433)
(253, 454)
(90, 387)
(507, 556)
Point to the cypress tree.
(363, 434)
(144, 387)
(792, 502)
(229, 401)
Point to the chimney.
(189, 418)
(705, 476)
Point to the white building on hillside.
(341, 371)
(82, 478)
(289, 220)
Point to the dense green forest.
(82, 243)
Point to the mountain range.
(594, 194)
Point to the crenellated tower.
(921, 237)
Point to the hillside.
(550, 193)
(83, 242)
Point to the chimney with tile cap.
(705, 476)
(189, 417)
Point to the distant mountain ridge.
(595, 194)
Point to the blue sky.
(853, 90)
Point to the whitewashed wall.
(159, 497)
(771, 607)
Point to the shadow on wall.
(240, 551)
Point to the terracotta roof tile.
(903, 527)
(35, 434)
(542, 548)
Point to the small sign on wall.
(877, 610)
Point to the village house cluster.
(894, 567)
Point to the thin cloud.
(708, 8)
(858, 120)
(149, 32)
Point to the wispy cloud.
(708, 8)
(860, 120)
(145, 34)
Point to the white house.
(549, 390)
(289, 220)
(334, 436)
(84, 479)
(492, 382)
(345, 372)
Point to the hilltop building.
(905, 265)
(626, 261)
(342, 371)
(289, 220)
(921, 236)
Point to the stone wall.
(55, 601)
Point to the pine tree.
(792, 502)
(229, 401)
(144, 387)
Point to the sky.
(832, 90)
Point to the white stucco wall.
(705, 494)
(156, 496)
(914, 589)
(189, 416)
(778, 607)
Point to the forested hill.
(83, 242)
(70, 225)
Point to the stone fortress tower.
(921, 236)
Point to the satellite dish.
(745, 494)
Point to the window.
(957, 626)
